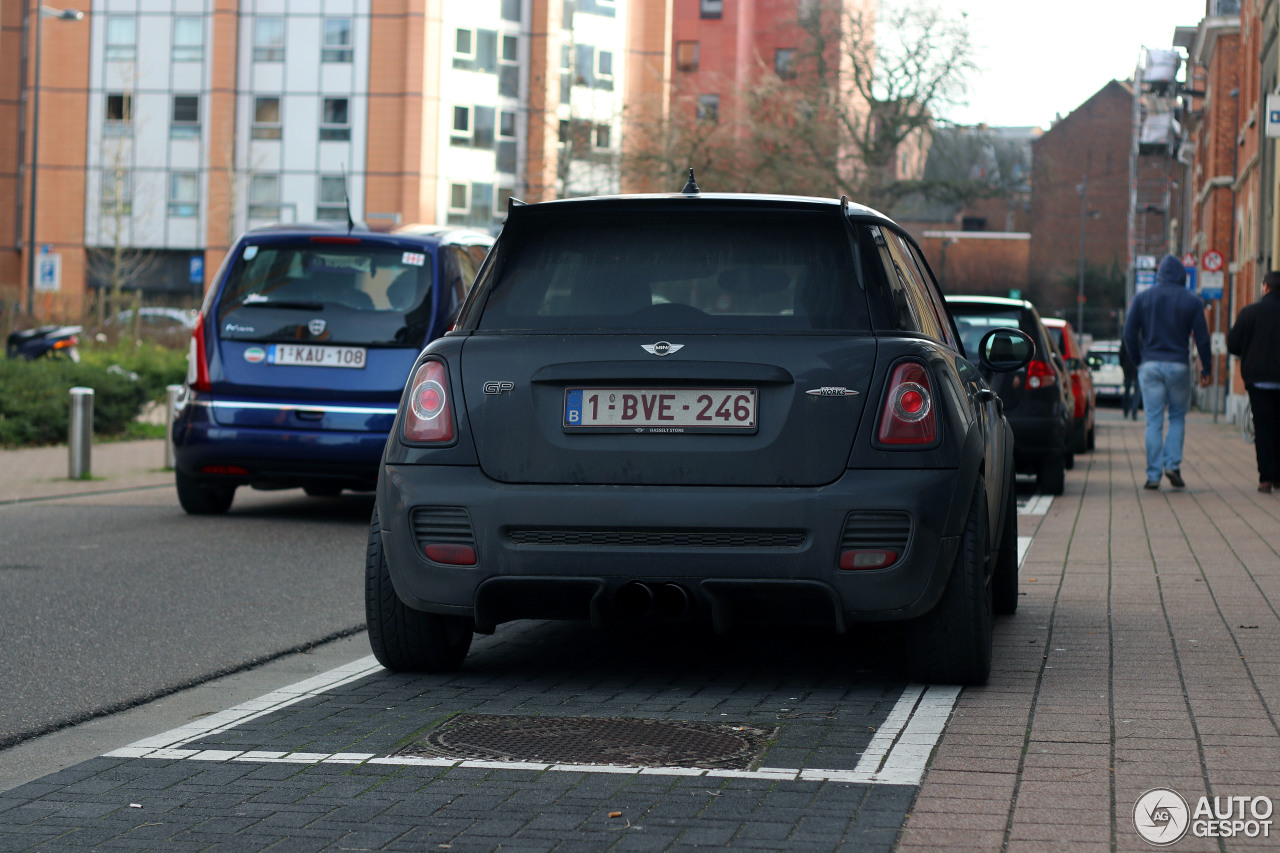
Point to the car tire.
(1052, 477)
(951, 644)
(1069, 461)
(1004, 577)
(200, 498)
(404, 639)
(1090, 439)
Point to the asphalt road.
(109, 601)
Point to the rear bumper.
(275, 458)
(752, 584)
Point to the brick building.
(1082, 162)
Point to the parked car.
(1104, 366)
(158, 317)
(1086, 404)
(734, 409)
(301, 352)
(1037, 400)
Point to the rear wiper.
(301, 306)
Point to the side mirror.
(1005, 350)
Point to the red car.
(1064, 337)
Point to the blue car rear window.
(367, 293)
(690, 272)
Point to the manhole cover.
(586, 740)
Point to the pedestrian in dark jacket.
(1131, 397)
(1256, 339)
(1161, 320)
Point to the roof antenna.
(351, 224)
(691, 188)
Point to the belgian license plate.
(315, 356)
(655, 410)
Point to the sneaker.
(1175, 477)
(1151, 484)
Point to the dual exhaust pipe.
(636, 600)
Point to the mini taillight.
(867, 559)
(428, 415)
(908, 416)
(1040, 374)
(197, 359)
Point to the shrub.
(35, 405)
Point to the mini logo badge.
(253, 355)
(662, 348)
(316, 327)
(831, 391)
(1161, 816)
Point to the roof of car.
(660, 200)
(444, 233)
(1056, 322)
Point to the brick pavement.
(41, 472)
(1144, 655)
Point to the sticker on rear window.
(414, 259)
(250, 252)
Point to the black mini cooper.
(739, 409)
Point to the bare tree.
(116, 262)
(852, 113)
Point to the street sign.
(1145, 262)
(195, 269)
(1191, 278)
(1144, 279)
(1218, 343)
(1211, 284)
(1273, 115)
(1212, 260)
(1189, 259)
(49, 272)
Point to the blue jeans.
(1165, 383)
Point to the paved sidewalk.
(41, 472)
(1145, 654)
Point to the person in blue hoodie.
(1161, 320)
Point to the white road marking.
(1035, 505)
(1024, 545)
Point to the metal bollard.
(172, 393)
(80, 434)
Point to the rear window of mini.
(691, 272)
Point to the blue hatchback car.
(301, 353)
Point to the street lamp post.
(1082, 189)
(41, 13)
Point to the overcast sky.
(1038, 58)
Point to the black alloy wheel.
(200, 498)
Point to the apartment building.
(168, 127)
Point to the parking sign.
(49, 272)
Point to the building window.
(119, 114)
(504, 202)
(511, 10)
(602, 136)
(509, 70)
(335, 125)
(566, 130)
(566, 57)
(458, 198)
(464, 44)
(709, 108)
(784, 62)
(117, 191)
(686, 56)
(122, 38)
(266, 118)
(188, 39)
(483, 119)
(337, 40)
(264, 197)
(268, 40)
(184, 194)
(507, 124)
(604, 64)
(332, 200)
(510, 49)
(186, 117)
(461, 133)
(712, 8)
